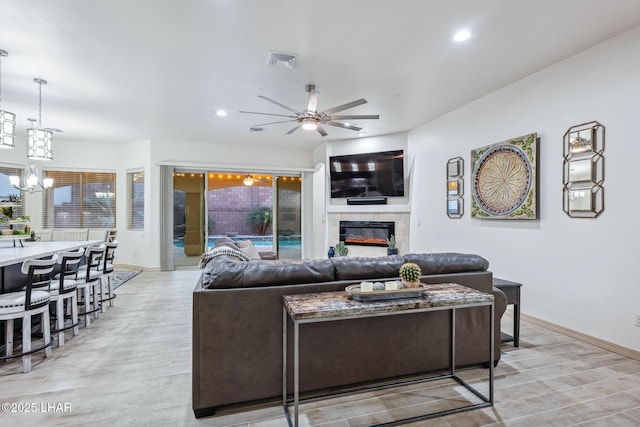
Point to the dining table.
(12, 257)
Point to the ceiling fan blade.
(293, 130)
(342, 125)
(356, 117)
(313, 100)
(321, 131)
(277, 103)
(268, 114)
(273, 123)
(351, 104)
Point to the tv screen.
(367, 175)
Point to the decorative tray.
(14, 237)
(379, 295)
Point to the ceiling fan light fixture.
(309, 124)
(248, 180)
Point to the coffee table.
(338, 306)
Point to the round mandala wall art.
(504, 179)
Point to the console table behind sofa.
(237, 327)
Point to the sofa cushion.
(360, 268)
(237, 274)
(248, 248)
(443, 263)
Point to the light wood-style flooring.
(132, 367)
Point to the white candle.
(391, 286)
(366, 287)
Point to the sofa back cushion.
(361, 268)
(444, 263)
(239, 274)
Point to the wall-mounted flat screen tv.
(367, 175)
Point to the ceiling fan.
(311, 119)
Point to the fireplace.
(366, 233)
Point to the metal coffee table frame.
(486, 400)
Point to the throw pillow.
(246, 246)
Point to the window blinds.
(135, 199)
(80, 200)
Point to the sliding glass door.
(262, 208)
(289, 218)
(188, 218)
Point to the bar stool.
(107, 270)
(64, 289)
(89, 282)
(25, 304)
(110, 234)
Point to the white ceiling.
(127, 70)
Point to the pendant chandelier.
(38, 139)
(31, 181)
(7, 119)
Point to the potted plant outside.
(260, 218)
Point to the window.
(10, 200)
(80, 200)
(135, 200)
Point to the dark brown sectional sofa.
(237, 327)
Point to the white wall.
(577, 273)
(137, 247)
(142, 248)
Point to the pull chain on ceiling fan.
(311, 119)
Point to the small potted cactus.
(391, 243)
(410, 274)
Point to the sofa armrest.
(500, 302)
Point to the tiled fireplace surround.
(401, 220)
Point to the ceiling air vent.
(255, 129)
(287, 60)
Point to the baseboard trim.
(624, 351)
(135, 267)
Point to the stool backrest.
(110, 235)
(69, 263)
(38, 273)
(75, 234)
(109, 254)
(93, 257)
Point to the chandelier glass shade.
(7, 119)
(248, 180)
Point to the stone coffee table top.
(339, 304)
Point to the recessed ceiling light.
(221, 113)
(362, 134)
(462, 35)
